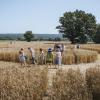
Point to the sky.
(40, 16)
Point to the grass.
(93, 47)
(93, 81)
(85, 56)
(70, 85)
(98, 57)
(22, 83)
(31, 83)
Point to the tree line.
(77, 26)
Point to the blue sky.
(40, 16)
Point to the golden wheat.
(93, 81)
(70, 85)
(93, 47)
(68, 57)
(22, 83)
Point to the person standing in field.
(41, 57)
(58, 57)
(32, 51)
(49, 57)
(22, 57)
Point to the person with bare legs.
(22, 57)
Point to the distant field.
(9, 51)
(16, 45)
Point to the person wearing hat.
(49, 57)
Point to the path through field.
(52, 71)
(82, 68)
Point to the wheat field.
(77, 79)
(70, 56)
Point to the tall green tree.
(28, 36)
(77, 25)
(96, 37)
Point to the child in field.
(49, 57)
(41, 57)
(32, 55)
(22, 57)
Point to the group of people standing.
(53, 56)
(23, 57)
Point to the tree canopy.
(28, 36)
(96, 37)
(77, 25)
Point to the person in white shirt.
(58, 58)
(32, 55)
